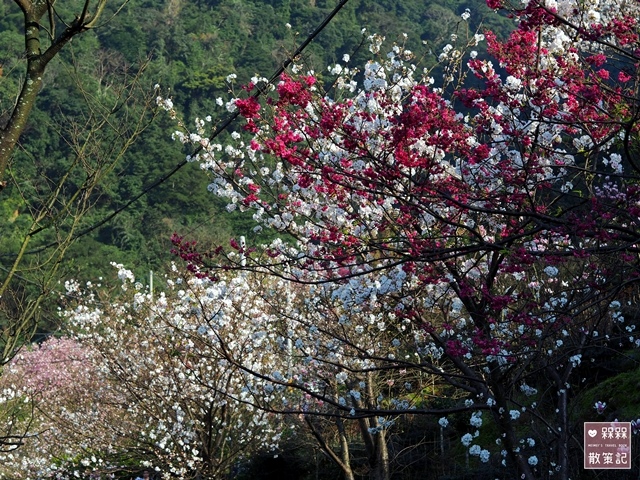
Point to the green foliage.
(619, 391)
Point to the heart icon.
(592, 433)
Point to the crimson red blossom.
(248, 107)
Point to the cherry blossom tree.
(247, 359)
(66, 410)
(497, 222)
(189, 407)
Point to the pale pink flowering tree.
(66, 408)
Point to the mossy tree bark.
(38, 58)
